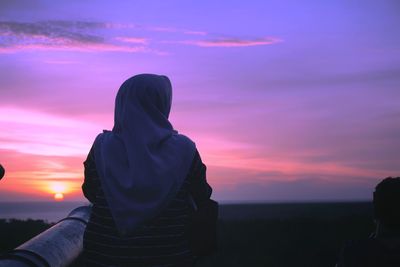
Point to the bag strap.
(192, 203)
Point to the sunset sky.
(286, 100)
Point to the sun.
(59, 196)
(58, 189)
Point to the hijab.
(143, 161)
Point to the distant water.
(55, 211)
(49, 211)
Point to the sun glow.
(58, 189)
(58, 196)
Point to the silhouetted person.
(382, 249)
(2, 171)
(141, 178)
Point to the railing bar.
(10, 256)
(73, 218)
(18, 252)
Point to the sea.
(47, 211)
(55, 211)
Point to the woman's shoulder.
(198, 167)
(197, 158)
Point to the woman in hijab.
(141, 178)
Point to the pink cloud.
(134, 40)
(38, 133)
(232, 42)
(195, 32)
(81, 36)
(77, 47)
(63, 36)
(154, 28)
(63, 45)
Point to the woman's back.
(140, 177)
(161, 241)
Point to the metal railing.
(58, 246)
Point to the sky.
(285, 100)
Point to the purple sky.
(286, 100)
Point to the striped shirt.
(160, 242)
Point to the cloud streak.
(38, 133)
(76, 47)
(232, 42)
(175, 30)
(133, 40)
(77, 36)
(92, 36)
(65, 30)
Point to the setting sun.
(58, 189)
(58, 196)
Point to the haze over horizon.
(285, 100)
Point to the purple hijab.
(143, 161)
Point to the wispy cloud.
(121, 25)
(165, 29)
(44, 134)
(70, 30)
(194, 32)
(72, 47)
(92, 36)
(60, 36)
(60, 62)
(174, 30)
(133, 40)
(231, 42)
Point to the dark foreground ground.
(268, 235)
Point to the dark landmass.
(14, 232)
(302, 234)
(314, 210)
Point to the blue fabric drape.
(143, 161)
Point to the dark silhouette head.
(2, 171)
(387, 202)
(146, 96)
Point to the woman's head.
(143, 95)
(387, 202)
